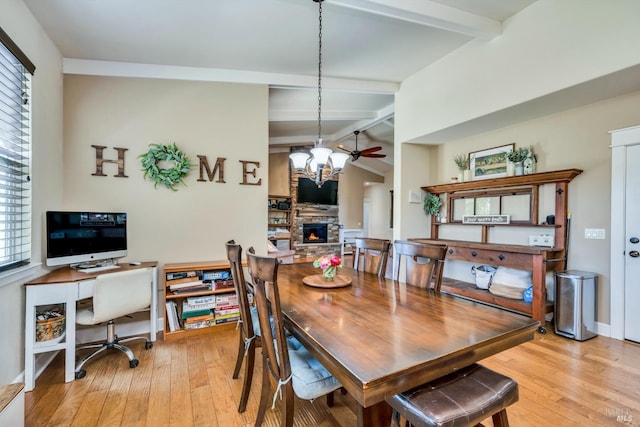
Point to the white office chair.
(116, 294)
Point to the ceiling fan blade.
(344, 149)
(371, 150)
(374, 156)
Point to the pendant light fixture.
(313, 166)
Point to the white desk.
(67, 286)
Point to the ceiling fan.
(367, 152)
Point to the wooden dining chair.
(249, 337)
(424, 263)
(371, 255)
(463, 398)
(288, 367)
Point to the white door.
(632, 246)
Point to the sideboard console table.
(539, 260)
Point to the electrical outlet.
(594, 233)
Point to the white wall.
(19, 24)
(549, 46)
(379, 198)
(414, 168)
(202, 118)
(351, 194)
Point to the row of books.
(202, 311)
(196, 281)
(201, 274)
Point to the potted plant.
(462, 161)
(517, 157)
(432, 204)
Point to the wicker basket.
(50, 329)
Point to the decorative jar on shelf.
(519, 169)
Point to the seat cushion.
(310, 379)
(462, 398)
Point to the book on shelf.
(235, 310)
(202, 299)
(222, 284)
(179, 281)
(195, 319)
(191, 307)
(226, 320)
(195, 313)
(181, 275)
(186, 284)
(188, 308)
(227, 299)
(172, 316)
(216, 275)
(200, 324)
(191, 289)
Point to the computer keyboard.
(95, 269)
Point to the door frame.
(620, 140)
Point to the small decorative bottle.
(530, 162)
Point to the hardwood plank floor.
(188, 382)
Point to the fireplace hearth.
(314, 233)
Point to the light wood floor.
(188, 383)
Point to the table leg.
(376, 415)
(539, 289)
(70, 340)
(29, 339)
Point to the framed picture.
(490, 163)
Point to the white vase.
(519, 169)
(466, 175)
(511, 168)
(460, 177)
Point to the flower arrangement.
(462, 161)
(328, 264)
(518, 155)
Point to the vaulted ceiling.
(368, 48)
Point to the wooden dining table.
(379, 337)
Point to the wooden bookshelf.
(199, 268)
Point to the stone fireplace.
(314, 233)
(319, 219)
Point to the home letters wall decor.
(206, 173)
(100, 161)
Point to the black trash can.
(575, 304)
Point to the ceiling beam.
(429, 13)
(305, 116)
(291, 81)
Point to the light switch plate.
(594, 233)
(414, 197)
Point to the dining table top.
(379, 337)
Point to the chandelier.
(313, 166)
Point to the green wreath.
(168, 177)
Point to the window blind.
(15, 155)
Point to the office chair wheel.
(80, 374)
(133, 363)
(542, 330)
(148, 345)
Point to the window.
(519, 204)
(15, 154)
